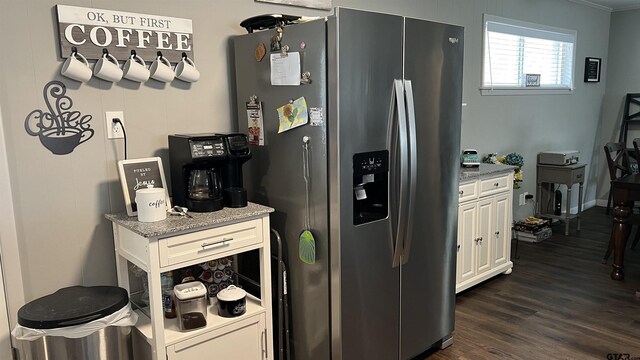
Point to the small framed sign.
(592, 69)
(532, 80)
(138, 174)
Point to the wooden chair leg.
(635, 239)
(609, 201)
(608, 252)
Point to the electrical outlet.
(522, 201)
(114, 130)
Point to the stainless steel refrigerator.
(384, 144)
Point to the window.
(525, 58)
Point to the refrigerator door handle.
(413, 169)
(398, 153)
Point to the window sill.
(520, 91)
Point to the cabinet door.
(467, 226)
(501, 239)
(242, 340)
(485, 232)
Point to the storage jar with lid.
(191, 305)
(232, 301)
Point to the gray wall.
(622, 77)
(60, 200)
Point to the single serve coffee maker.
(235, 195)
(197, 162)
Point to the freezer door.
(365, 52)
(274, 176)
(433, 64)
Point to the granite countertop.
(175, 223)
(484, 170)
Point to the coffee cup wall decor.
(61, 129)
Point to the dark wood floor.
(559, 302)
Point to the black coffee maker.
(197, 163)
(235, 195)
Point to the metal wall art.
(60, 129)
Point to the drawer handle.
(458, 247)
(496, 184)
(497, 232)
(224, 242)
(461, 192)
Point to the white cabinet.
(484, 223)
(245, 339)
(178, 242)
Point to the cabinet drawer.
(467, 191)
(495, 185)
(200, 244)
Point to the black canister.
(232, 301)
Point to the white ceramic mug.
(151, 204)
(76, 67)
(107, 68)
(186, 70)
(135, 69)
(161, 69)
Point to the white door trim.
(11, 268)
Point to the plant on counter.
(513, 159)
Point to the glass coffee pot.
(204, 184)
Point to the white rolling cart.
(178, 242)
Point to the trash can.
(76, 323)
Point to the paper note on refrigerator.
(292, 115)
(285, 69)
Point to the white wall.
(60, 200)
(623, 76)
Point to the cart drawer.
(467, 191)
(200, 244)
(495, 185)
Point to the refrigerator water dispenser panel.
(370, 186)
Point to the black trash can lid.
(72, 306)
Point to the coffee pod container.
(232, 301)
(191, 305)
(151, 204)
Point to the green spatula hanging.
(307, 245)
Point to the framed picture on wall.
(592, 69)
(138, 174)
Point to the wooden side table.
(559, 174)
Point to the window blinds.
(513, 49)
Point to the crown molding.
(593, 5)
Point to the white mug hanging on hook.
(161, 69)
(135, 69)
(107, 67)
(186, 70)
(76, 67)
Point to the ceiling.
(613, 5)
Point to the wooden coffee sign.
(92, 30)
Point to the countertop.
(484, 170)
(175, 223)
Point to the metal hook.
(105, 51)
(133, 53)
(159, 54)
(184, 55)
(74, 50)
